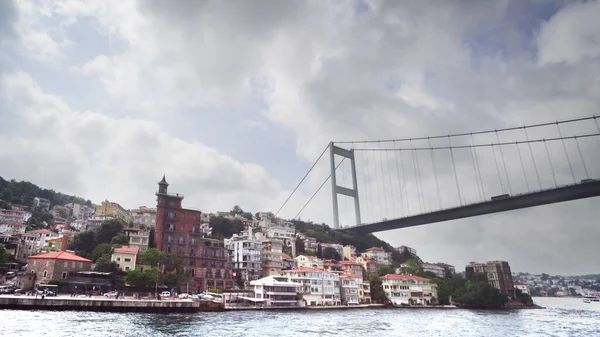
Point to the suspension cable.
(318, 189)
(416, 180)
(504, 164)
(405, 190)
(533, 159)
(478, 168)
(387, 212)
(551, 166)
(566, 153)
(498, 170)
(587, 175)
(301, 181)
(387, 157)
(370, 194)
(523, 167)
(455, 173)
(420, 180)
(401, 187)
(475, 171)
(437, 184)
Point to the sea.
(561, 317)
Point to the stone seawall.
(107, 305)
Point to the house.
(281, 232)
(271, 254)
(56, 266)
(351, 267)
(288, 262)
(403, 249)
(41, 204)
(30, 245)
(309, 262)
(138, 237)
(332, 266)
(408, 289)
(276, 291)
(310, 243)
(349, 252)
(244, 254)
(125, 257)
(319, 287)
(349, 289)
(45, 236)
(143, 217)
(497, 273)
(379, 255)
(12, 227)
(368, 263)
(14, 215)
(523, 287)
(436, 269)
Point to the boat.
(591, 299)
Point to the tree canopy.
(4, 254)
(23, 193)
(331, 254)
(225, 228)
(104, 264)
(152, 257)
(101, 249)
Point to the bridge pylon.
(335, 189)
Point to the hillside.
(23, 192)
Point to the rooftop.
(376, 249)
(60, 256)
(305, 269)
(128, 249)
(403, 277)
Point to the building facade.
(438, 270)
(305, 261)
(497, 273)
(276, 291)
(179, 231)
(403, 289)
(125, 257)
(525, 289)
(403, 249)
(349, 289)
(138, 237)
(271, 255)
(318, 287)
(14, 215)
(349, 252)
(245, 255)
(113, 209)
(56, 266)
(143, 217)
(41, 204)
(379, 255)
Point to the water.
(563, 317)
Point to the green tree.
(236, 210)
(104, 264)
(5, 205)
(300, 246)
(413, 267)
(172, 279)
(120, 239)
(101, 249)
(331, 253)
(84, 243)
(383, 270)
(4, 254)
(319, 251)
(545, 277)
(377, 292)
(152, 257)
(139, 279)
(225, 228)
(109, 229)
(247, 215)
(309, 252)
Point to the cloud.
(322, 71)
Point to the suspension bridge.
(399, 183)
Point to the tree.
(225, 228)
(319, 251)
(109, 229)
(152, 257)
(172, 279)
(331, 253)
(84, 243)
(104, 264)
(573, 292)
(237, 210)
(101, 249)
(413, 267)
(300, 246)
(4, 254)
(247, 215)
(545, 277)
(383, 270)
(139, 279)
(377, 292)
(309, 252)
(120, 239)
(5, 205)
(238, 279)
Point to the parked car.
(111, 294)
(165, 294)
(183, 296)
(10, 274)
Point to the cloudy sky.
(233, 101)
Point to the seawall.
(107, 305)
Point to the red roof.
(351, 262)
(312, 270)
(403, 277)
(285, 256)
(376, 248)
(60, 256)
(128, 249)
(350, 276)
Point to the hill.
(23, 192)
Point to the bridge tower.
(335, 189)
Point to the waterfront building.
(288, 262)
(403, 249)
(497, 273)
(305, 261)
(57, 266)
(364, 292)
(351, 267)
(113, 209)
(379, 255)
(408, 289)
(244, 255)
(318, 287)
(30, 245)
(349, 252)
(276, 291)
(125, 257)
(525, 289)
(143, 217)
(138, 237)
(179, 231)
(438, 270)
(349, 288)
(41, 204)
(271, 255)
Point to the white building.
(276, 291)
(41, 204)
(14, 215)
(349, 289)
(30, 245)
(523, 287)
(45, 236)
(282, 233)
(438, 270)
(138, 237)
(144, 216)
(80, 212)
(319, 287)
(12, 227)
(379, 255)
(305, 261)
(245, 254)
(408, 289)
(402, 249)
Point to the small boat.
(590, 299)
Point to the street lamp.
(156, 284)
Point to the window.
(181, 227)
(171, 227)
(171, 215)
(126, 268)
(171, 203)
(66, 264)
(181, 239)
(118, 259)
(168, 249)
(64, 275)
(169, 238)
(127, 259)
(45, 273)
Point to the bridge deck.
(544, 197)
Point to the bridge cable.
(301, 181)
(475, 133)
(566, 153)
(587, 175)
(318, 189)
(390, 185)
(475, 171)
(412, 153)
(533, 159)
(383, 185)
(343, 183)
(504, 164)
(478, 167)
(523, 167)
(400, 190)
(551, 166)
(498, 170)
(437, 184)
(364, 183)
(405, 190)
(455, 173)
(378, 203)
(420, 181)
(597, 125)
(370, 185)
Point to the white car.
(183, 296)
(111, 294)
(165, 294)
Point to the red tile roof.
(128, 249)
(285, 256)
(403, 277)
(60, 256)
(312, 270)
(376, 248)
(351, 262)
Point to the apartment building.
(349, 252)
(276, 291)
(497, 273)
(305, 261)
(138, 237)
(438, 270)
(245, 255)
(113, 209)
(143, 217)
(408, 289)
(351, 267)
(271, 254)
(318, 287)
(349, 289)
(125, 257)
(379, 255)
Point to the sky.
(234, 101)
